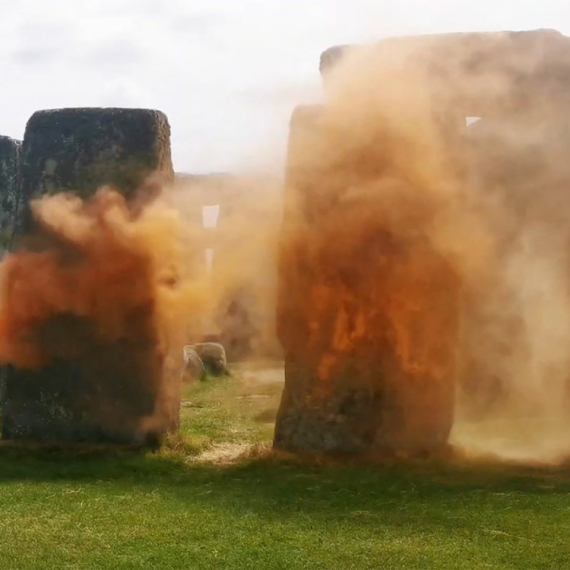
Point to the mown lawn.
(195, 506)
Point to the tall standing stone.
(120, 391)
(9, 188)
(368, 319)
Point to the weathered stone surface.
(194, 368)
(368, 318)
(9, 188)
(105, 396)
(213, 356)
(125, 391)
(80, 150)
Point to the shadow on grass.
(281, 481)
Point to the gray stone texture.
(9, 188)
(194, 368)
(80, 150)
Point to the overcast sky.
(226, 72)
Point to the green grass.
(173, 510)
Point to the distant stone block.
(213, 355)
(9, 188)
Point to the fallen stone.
(213, 356)
(194, 368)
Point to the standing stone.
(9, 200)
(125, 391)
(9, 188)
(367, 317)
(80, 150)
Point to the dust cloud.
(517, 368)
(117, 269)
(395, 170)
(396, 156)
(237, 257)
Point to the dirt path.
(273, 375)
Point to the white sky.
(226, 72)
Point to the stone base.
(116, 394)
(363, 413)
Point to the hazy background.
(227, 72)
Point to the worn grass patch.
(215, 498)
